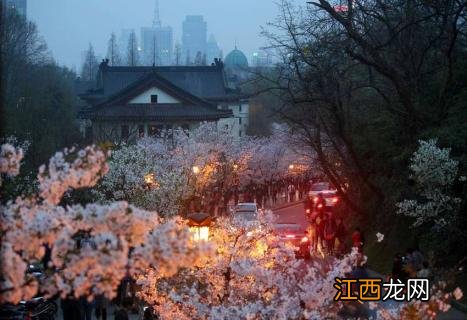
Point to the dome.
(236, 58)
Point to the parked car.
(246, 213)
(293, 233)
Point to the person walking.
(357, 239)
(313, 236)
(320, 202)
(329, 234)
(340, 236)
(86, 308)
(319, 233)
(101, 305)
(398, 271)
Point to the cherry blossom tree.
(254, 275)
(33, 221)
(434, 173)
(250, 275)
(224, 165)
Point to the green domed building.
(236, 59)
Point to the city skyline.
(119, 16)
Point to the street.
(292, 212)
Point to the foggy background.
(68, 26)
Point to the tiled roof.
(201, 81)
(156, 112)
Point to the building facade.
(157, 46)
(131, 102)
(194, 37)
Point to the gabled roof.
(148, 81)
(204, 82)
(197, 88)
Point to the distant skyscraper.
(194, 37)
(262, 58)
(212, 50)
(20, 5)
(123, 40)
(157, 42)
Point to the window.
(240, 133)
(153, 98)
(141, 131)
(125, 132)
(240, 108)
(240, 120)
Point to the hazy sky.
(69, 25)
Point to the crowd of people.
(327, 231)
(328, 235)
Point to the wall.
(162, 97)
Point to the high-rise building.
(157, 45)
(212, 50)
(123, 40)
(20, 5)
(193, 38)
(157, 42)
(262, 58)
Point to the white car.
(324, 188)
(246, 212)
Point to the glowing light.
(149, 178)
(335, 199)
(291, 167)
(200, 233)
(196, 169)
(304, 239)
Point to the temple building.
(131, 102)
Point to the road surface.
(294, 212)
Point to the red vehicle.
(294, 234)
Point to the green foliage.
(38, 98)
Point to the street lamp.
(149, 178)
(199, 224)
(150, 181)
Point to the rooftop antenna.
(156, 23)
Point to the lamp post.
(150, 181)
(199, 224)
